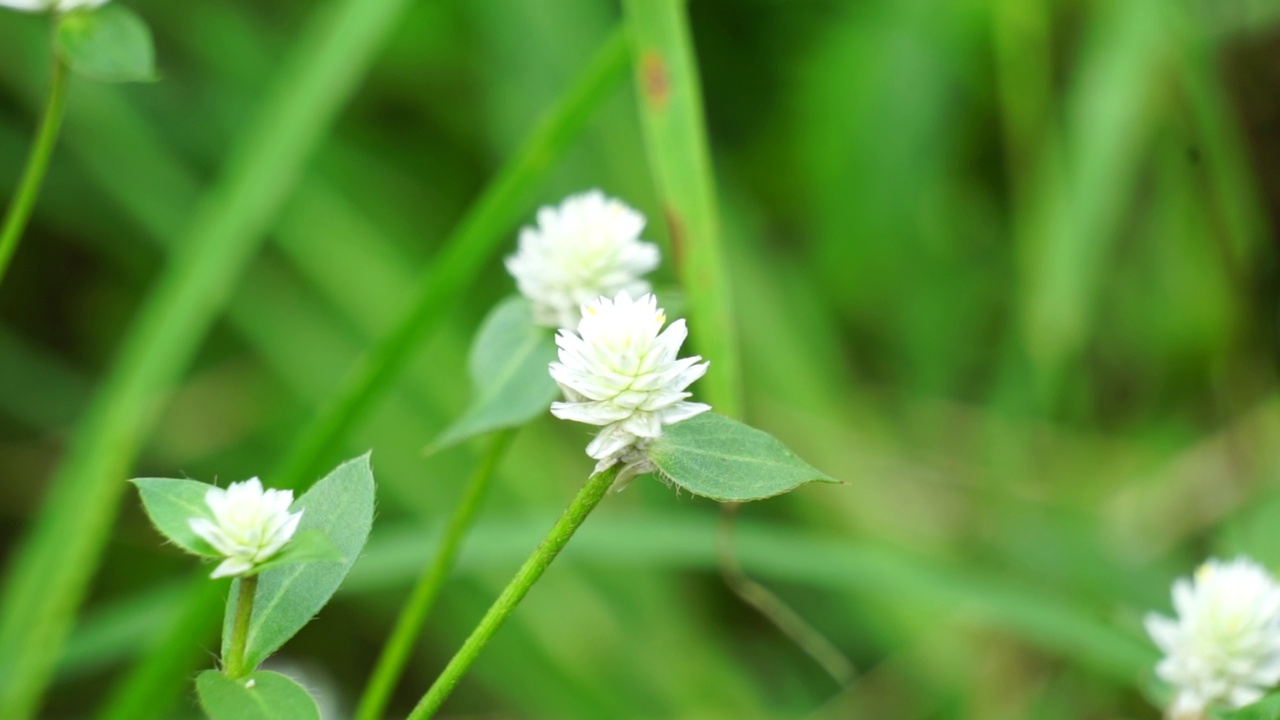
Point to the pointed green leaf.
(719, 458)
(110, 43)
(261, 695)
(1267, 708)
(305, 547)
(171, 503)
(341, 507)
(509, 378)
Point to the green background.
(1006, 268)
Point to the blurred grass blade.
(832, 564)
(675, 136)
(53, 566)
(470, 246)
(1223, 145)
(1109, 120)
(476, 239)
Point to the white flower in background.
(1223, 649)
(588, 247)
(60, 6)
(619, 372)
(249, 525)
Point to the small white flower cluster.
(1223, 648)
(249, 525)
(587, 248)
(59, 6)
(581, 268)
(618, 371)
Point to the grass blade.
(475, 240)
(680, 159)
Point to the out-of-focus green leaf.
(171, 504)
(341, 507)
(719, 458)
(509, 375)
(110, 43)
(258, 696)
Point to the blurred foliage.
(1007, 267)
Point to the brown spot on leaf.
(655, 80)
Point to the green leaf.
(719, 458)
(509, 375)
(261, 695)
(170, 504)
(339, 506)
(110, 43)
(1268, 708)
(305, 547)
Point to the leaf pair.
(337, 514)
(110, 43)
(172, 504)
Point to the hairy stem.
(233, 663)
(414, 614)
(590, 496)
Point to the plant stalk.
(24, 201)
(590, 496)
(233, 663)
(775, 609)
(414, 614)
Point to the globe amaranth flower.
(249, 525)
(1223, 648)
(618, 371)
(59, 6)
(587, 247)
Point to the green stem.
(233, 664)
(24, 201)
(396, 652)
(525, 577)
(775, 609)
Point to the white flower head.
(59, 6)
(587, 247)
(249, 525)
(619, 372)
(1223, 648)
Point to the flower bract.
(1222, 650)
(61, 6)
(587, 247)
(249, 525)
(619, 370)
